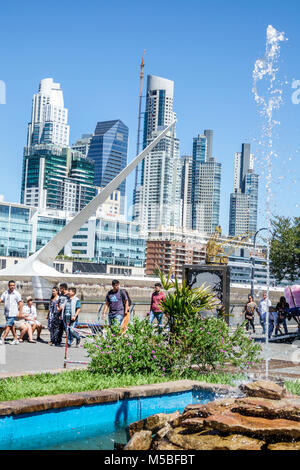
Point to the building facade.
(186, 190)
(108, 149)
(206, 185)
(82, 145)
(157, 196)
(244, 198)
(56, 178)
(49, 117)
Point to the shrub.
(140, 350)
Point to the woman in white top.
(30, 315)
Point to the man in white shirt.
(263, 307)
(12, 310)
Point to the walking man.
(157, 297)
(263, 308)
(13, 306)
(116, 304)
(71, 311)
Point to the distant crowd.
(276, 317)
(63, 313)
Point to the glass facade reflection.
(15, 230)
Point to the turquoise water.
(89, 427)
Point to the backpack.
(122, 292)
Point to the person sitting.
(25, 329)
(30, 315)
(282, 309)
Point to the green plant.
(140, 350)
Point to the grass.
(73, 381)
(293, 386)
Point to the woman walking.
(282, 311)
(249, 311)
(53, 317)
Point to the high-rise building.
(108, 149)
(186, 190)
(206, 184)
(157, 196)
(56, 178)
(82, 145)
(49, 117)
(243, 200)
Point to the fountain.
(268, 100)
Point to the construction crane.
(139, 115)
(215, 253)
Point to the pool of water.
(89, 427)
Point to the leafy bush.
(140, 350)
(188, 339)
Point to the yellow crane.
(215, 253)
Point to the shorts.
(19, 323)
(10, 321)
(33, 322)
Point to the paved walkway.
(39, 357)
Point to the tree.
(285, 248)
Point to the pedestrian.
(63, 297)
(116, 304)
(249, 311)
(282, 311)
(263, 308)
(157, 298)
(30, 315)
(71, 310)
(53, 318)
(12, 310)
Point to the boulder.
(193, 424)
(264, 389)
(166, 445)
(152, 423)
(140, 440)
(266, 408)
(211, 408)
(284, 446)
(199, 441)
(234, 423)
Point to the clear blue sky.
(208, 48)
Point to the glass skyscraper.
(206, 185)
(244, 198)
(108, 149)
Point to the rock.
(153, 423)
(284, 446)
(193, 424)
(266, 408)
(254, 426)
(163, 431)
(211, 408)
(264, 389)
(141, 440)
(213, 442)
(166, 445)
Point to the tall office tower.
(82, 145)
(243, 200)
(186, 190)
(206, 185)
(49, 117)
(108, 149)
(157, 197)
(56, 178)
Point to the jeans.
(278, 325)
(116, 318)
(272, 323)
(157, 315)
(71, 333)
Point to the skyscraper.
(83, 144)
(157, 195)
(49, 117)
(206, 185)
(243, 200)
(186, 190)
(108, 149)
(56, 178)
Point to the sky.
(207, 47)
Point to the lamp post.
(253, 260)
